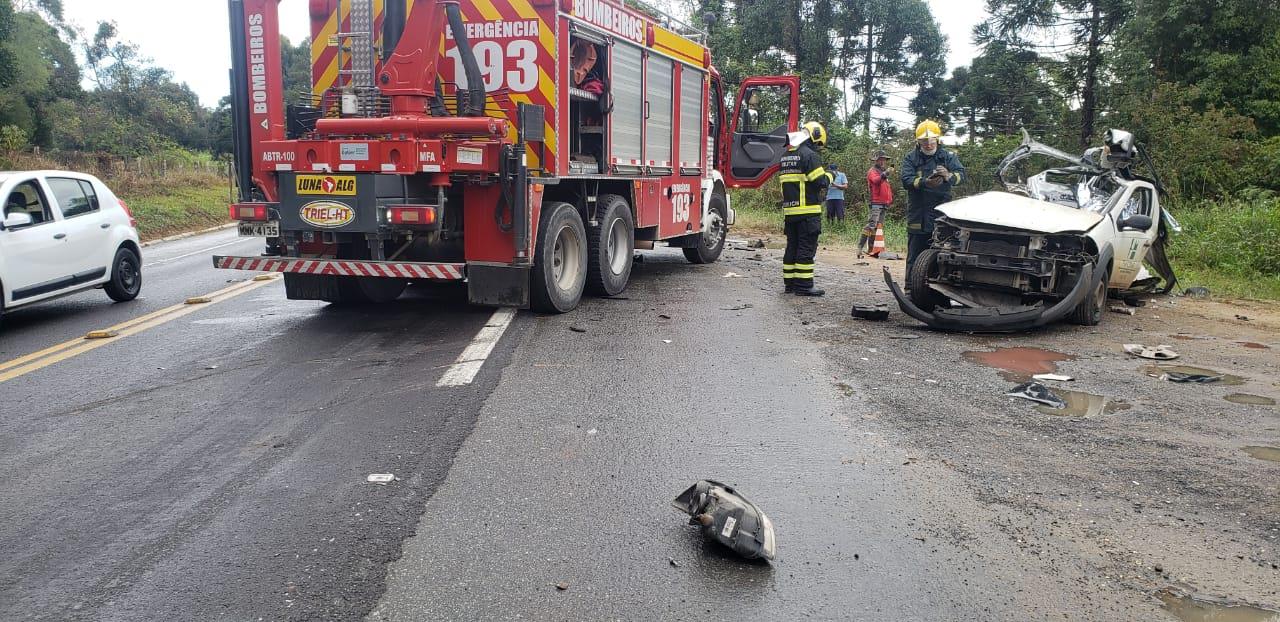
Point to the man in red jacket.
(881, 198)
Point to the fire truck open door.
(767, 108)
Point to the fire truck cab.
(527, 147)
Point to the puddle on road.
(1251, 400)
(1020, 363)
(1156, 371)
(1262, 452)
(1189, 609)
(1080, 404)
(1254, 346)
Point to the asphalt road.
(211, 462)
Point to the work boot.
(810, 291)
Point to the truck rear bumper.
(344, 267)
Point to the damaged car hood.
(1002, 209)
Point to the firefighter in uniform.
(929, 172)
(804, 189)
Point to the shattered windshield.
(1042, 172)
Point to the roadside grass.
(758, 215)
(171, 206)
(1231, 246)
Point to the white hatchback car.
(62, 233)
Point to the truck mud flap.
(498, 285)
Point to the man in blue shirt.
(835, 194)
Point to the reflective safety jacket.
(804, 181)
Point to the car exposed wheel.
(921, 294)
(711, 240)
(1090, 311)
(126, 276)
(611, 246)
(560, 260)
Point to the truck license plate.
(270, 229)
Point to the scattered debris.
(1053, 377)
(266, 277)
(756, 243)
(728, 518)
(878, 313)
(577, 329)
(1038, 393)
(101, 334)
(562, 586)
(1196, 292)
(664, 316)
(1173, 376)
(211, 367)
(199, 300)
(381, 478)
(592, 432)
(666, 341)
(673, 562)
(1123, 310)
(890, 256)
(1135, 302)
(738, 307)
(1243, 318)
(1158, 353)
(733, 275)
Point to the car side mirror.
(1135, 222)
(17, 219)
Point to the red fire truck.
(527, 147)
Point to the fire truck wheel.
(560, 265)
(611, 246)
(711, 242)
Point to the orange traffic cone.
(877, 246)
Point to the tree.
(899, 42)
(1079, 33)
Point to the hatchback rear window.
(75, 197)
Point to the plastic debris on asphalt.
(101, 334)
(877, 313)
(1053, 377)
(381, 478)
(1036, 392)
(1157, 353)
(1123, 310)
(725, 516)
(1174, 376)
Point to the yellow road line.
(39, 360)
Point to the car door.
(88, 228)
(34, 261)
(1133, 243)
(768, 108)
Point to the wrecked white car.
(1054, 246)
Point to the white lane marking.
(464, 370)
(203, 250)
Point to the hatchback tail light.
(255, 212)
(412, 215)
(133, 222)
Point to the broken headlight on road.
(728, 518)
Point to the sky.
(193, 41)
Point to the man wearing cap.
(929, 172)
(881, 193)
(835, 194)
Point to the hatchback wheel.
(126, 276)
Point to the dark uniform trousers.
(802, 247)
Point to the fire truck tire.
(611, 246)
(560, 264)
(711, 242)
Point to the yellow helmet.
(817, 133)
(928, 129)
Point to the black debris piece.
(1036, 392)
